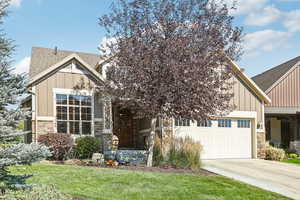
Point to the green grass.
(113, 184)
(292, 160)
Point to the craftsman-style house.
(63, 99)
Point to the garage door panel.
(220, 142)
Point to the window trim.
(247, 122)
(73, 92)
(182, 121)
(206, 122)
(230, 124)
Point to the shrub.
(86, 146)
(59, 143)
(289, 151)
(37, 193)
(184, 153)
(273, 153)
(293, 155)
(158, 158)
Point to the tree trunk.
(151, 142)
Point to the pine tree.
(12, 88)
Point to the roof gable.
(249, 82)
(43, 58)
(61, 64)
(266, 79)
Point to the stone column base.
(106, 141)
(261, 145)
(295, 145)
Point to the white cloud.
(292, 21)
(22, 66)
(265, 40)
(245, 6)
(264, 16)
(16, 3)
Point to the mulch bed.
(201, 172)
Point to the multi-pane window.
(182, 122)
(74, 114)
(224, 123)
(243, 123)
(204, 123)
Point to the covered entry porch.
(132, 132)
(283, 130)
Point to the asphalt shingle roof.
(266, 79)
(43, 58)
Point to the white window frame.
(224, 124)
(74, 92)
(182, 122)
(244, 123)
(207, 123)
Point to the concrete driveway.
(282, 178)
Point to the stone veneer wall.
(261, 145)
(295, 145)
(43, 127)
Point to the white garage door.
(219, 140)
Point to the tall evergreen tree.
(12, 87)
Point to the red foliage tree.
(167, 58)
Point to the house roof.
(43, 58)
(59, 64)
(249, 82)
(266, 79)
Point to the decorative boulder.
(98, 157)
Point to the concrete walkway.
(282, 178)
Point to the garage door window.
(204, 123)
(243, 123)
(224, 123)
(182, 122)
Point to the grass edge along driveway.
(292, 160)
(114, 184)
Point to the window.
(204, 123)
(224, 123)
(74, 114)
(182, 122)
(243, 123)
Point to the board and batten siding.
(246, 100)
(44, 90)
(286, 93)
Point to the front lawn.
(116, 184)
(292, 160)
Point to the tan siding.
(57, 80)
(286, 93)
(246, 100)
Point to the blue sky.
(271, 28)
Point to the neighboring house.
(282, 84)
(63, 85)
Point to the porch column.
(295, 144)
(107, 134)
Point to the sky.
(271, 29)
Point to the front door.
(124, 128)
